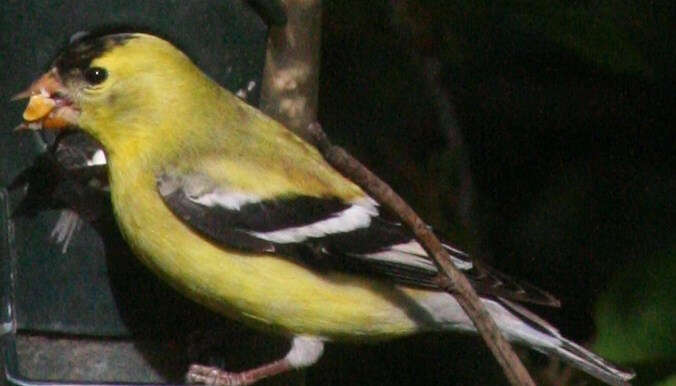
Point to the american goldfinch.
(241, 215)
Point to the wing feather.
(347, 235)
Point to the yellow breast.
(267, 291)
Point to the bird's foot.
(214, 376)
(304, 352)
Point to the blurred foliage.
(635, 316)
(671, 381)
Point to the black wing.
(325, 233)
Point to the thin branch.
(290, 94)
(450, 278)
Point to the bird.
(241, 215)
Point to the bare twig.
(289, 94)
(450, 278)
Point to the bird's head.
(113, 87)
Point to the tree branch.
(289, 94)
(449, 278)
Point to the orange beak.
(48, 107)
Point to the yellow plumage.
(215, 133)
(269, 290)
(189, 163)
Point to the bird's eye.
(95, 75)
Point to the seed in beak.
(38, 107)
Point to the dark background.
(567, 114)
(564, 114)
